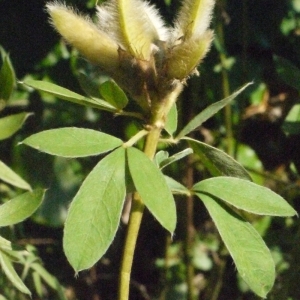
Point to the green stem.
(135, 219)
(137, 209)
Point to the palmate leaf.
(218, 162)
(95, 212)
(152, 187)
(245, 195)
(252, 257)
(208, 113)
(65, 94)
(72, 142)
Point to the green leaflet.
(7, 77)
(245, 195)
(9, 176)
(288, 72)
(95, 212)
(176, 187)
(72, 142)
(218, 162)
(113, 94)
(21, 207)
(252, 257)
(68, 95)
(8, 269)
(172, 120)
(152, 187)
(291, 124)
(208, 113)
(175, 157)
(11, 124)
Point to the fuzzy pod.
(81, 33)
(184, 58)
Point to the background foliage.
(255, 41)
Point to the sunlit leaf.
(8, 269)
(113, 94)
(68, 95)
(95, 212)
(9, 176)
(245, 195)
(152, 187)
(21, 207)
(218, 162)
(252, 257)
(208, 112)
(172, 120)
(11, 124)
(72, 142)
(7, 77)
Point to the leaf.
(160, 156)
(245, 195)
(95, 212)
(252, 257)
(172, 120)
(37, 282)
(68, 95)
(291, 124)
(21, 207)
(209, 112)
(175, 157)
(113, 94)
(10, 272)
(218, 162)
(48, 278)
(289, 73)
(152, 187)
(9, 176)
(72, 142)
(11, 124)
(7, 77)
(89, 84)
(176, 187)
